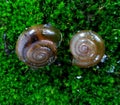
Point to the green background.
(60, 83)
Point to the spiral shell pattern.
(37, 46)
(40, 54)
(87, 48)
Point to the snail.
(37, 45)
(87, 48)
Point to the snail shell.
(37, 46)
(87, 48)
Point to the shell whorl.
(87, 48)
(40, 53)
(37, 46)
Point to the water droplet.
(111, 70)
(97, 67)
(104, 58)
(78, 77)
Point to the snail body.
(37, 46)
(87, 48)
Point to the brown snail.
(37, 46)
(87, 48)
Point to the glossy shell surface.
(87, 48)
(37, 46)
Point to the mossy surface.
(60, 83)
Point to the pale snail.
(87, 48)
(37, 45)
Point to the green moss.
(61, 84)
